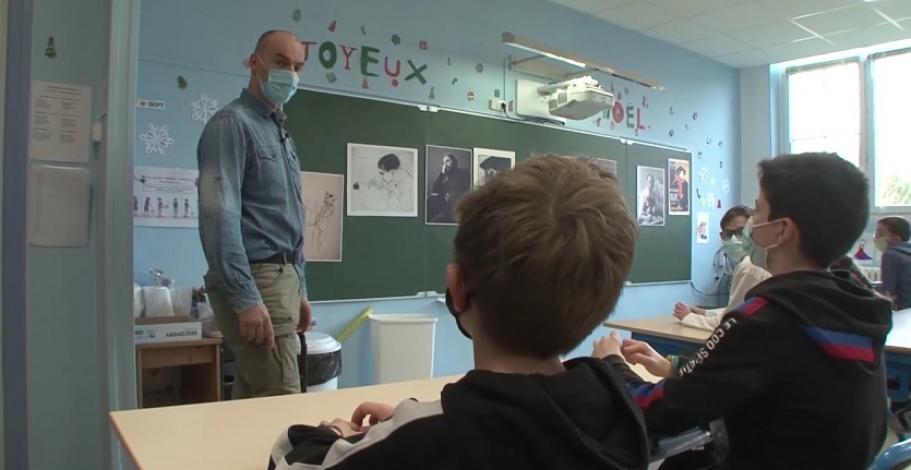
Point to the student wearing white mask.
(736, 244)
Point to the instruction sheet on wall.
(60, 122)
(58, 206)
(165, 197)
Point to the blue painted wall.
(65, 377)
(205, 41)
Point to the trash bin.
(324, 362)
(402, 346)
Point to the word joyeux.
(331, 55)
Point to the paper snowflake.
(157, 139)
(711, 199)
(712, 181)
(725, 186)
(204, 108)
(703, 174)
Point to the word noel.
(331, 55)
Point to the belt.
(285, 257)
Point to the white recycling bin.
(402, 346)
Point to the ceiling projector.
(575, 99)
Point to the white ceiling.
(744, 33)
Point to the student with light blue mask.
(797, 371)
(738, 247)
(892, 235)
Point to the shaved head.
(276, 35)
(276, 49)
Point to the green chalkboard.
(385, 256)
(663, 252)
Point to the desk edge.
(649, 332)
(122, 439)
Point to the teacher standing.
(252, 223)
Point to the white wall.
(66, 380)
(756, 127)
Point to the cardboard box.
(164, 332)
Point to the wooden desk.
(899, 339)
(199, 362)
(664, 333)
(668, 327)
(898, 356)
(239, 434)
(668, 336)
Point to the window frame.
(870, 119)
(867, 150)
(861, 150)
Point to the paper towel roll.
(183, 300)
(137, 301)
(157, 301)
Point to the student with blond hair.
(541, 255)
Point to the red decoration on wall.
(618, 112)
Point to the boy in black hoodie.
(541, 255)
(797, 370)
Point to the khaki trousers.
(261, 372)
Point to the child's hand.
(342, 428)
(639, 352)
(681, 310)
(376, 412)
(607, 346)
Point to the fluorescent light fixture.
(543, 53)
(588, 65)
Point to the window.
(858, 106)
(824, 103)
(891, 129)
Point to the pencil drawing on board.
(382, 181)
(323, 201)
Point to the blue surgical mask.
(759, 255)
(881, 244)
(280, 85)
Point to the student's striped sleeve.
(731, 368)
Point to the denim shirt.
(249, 196)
